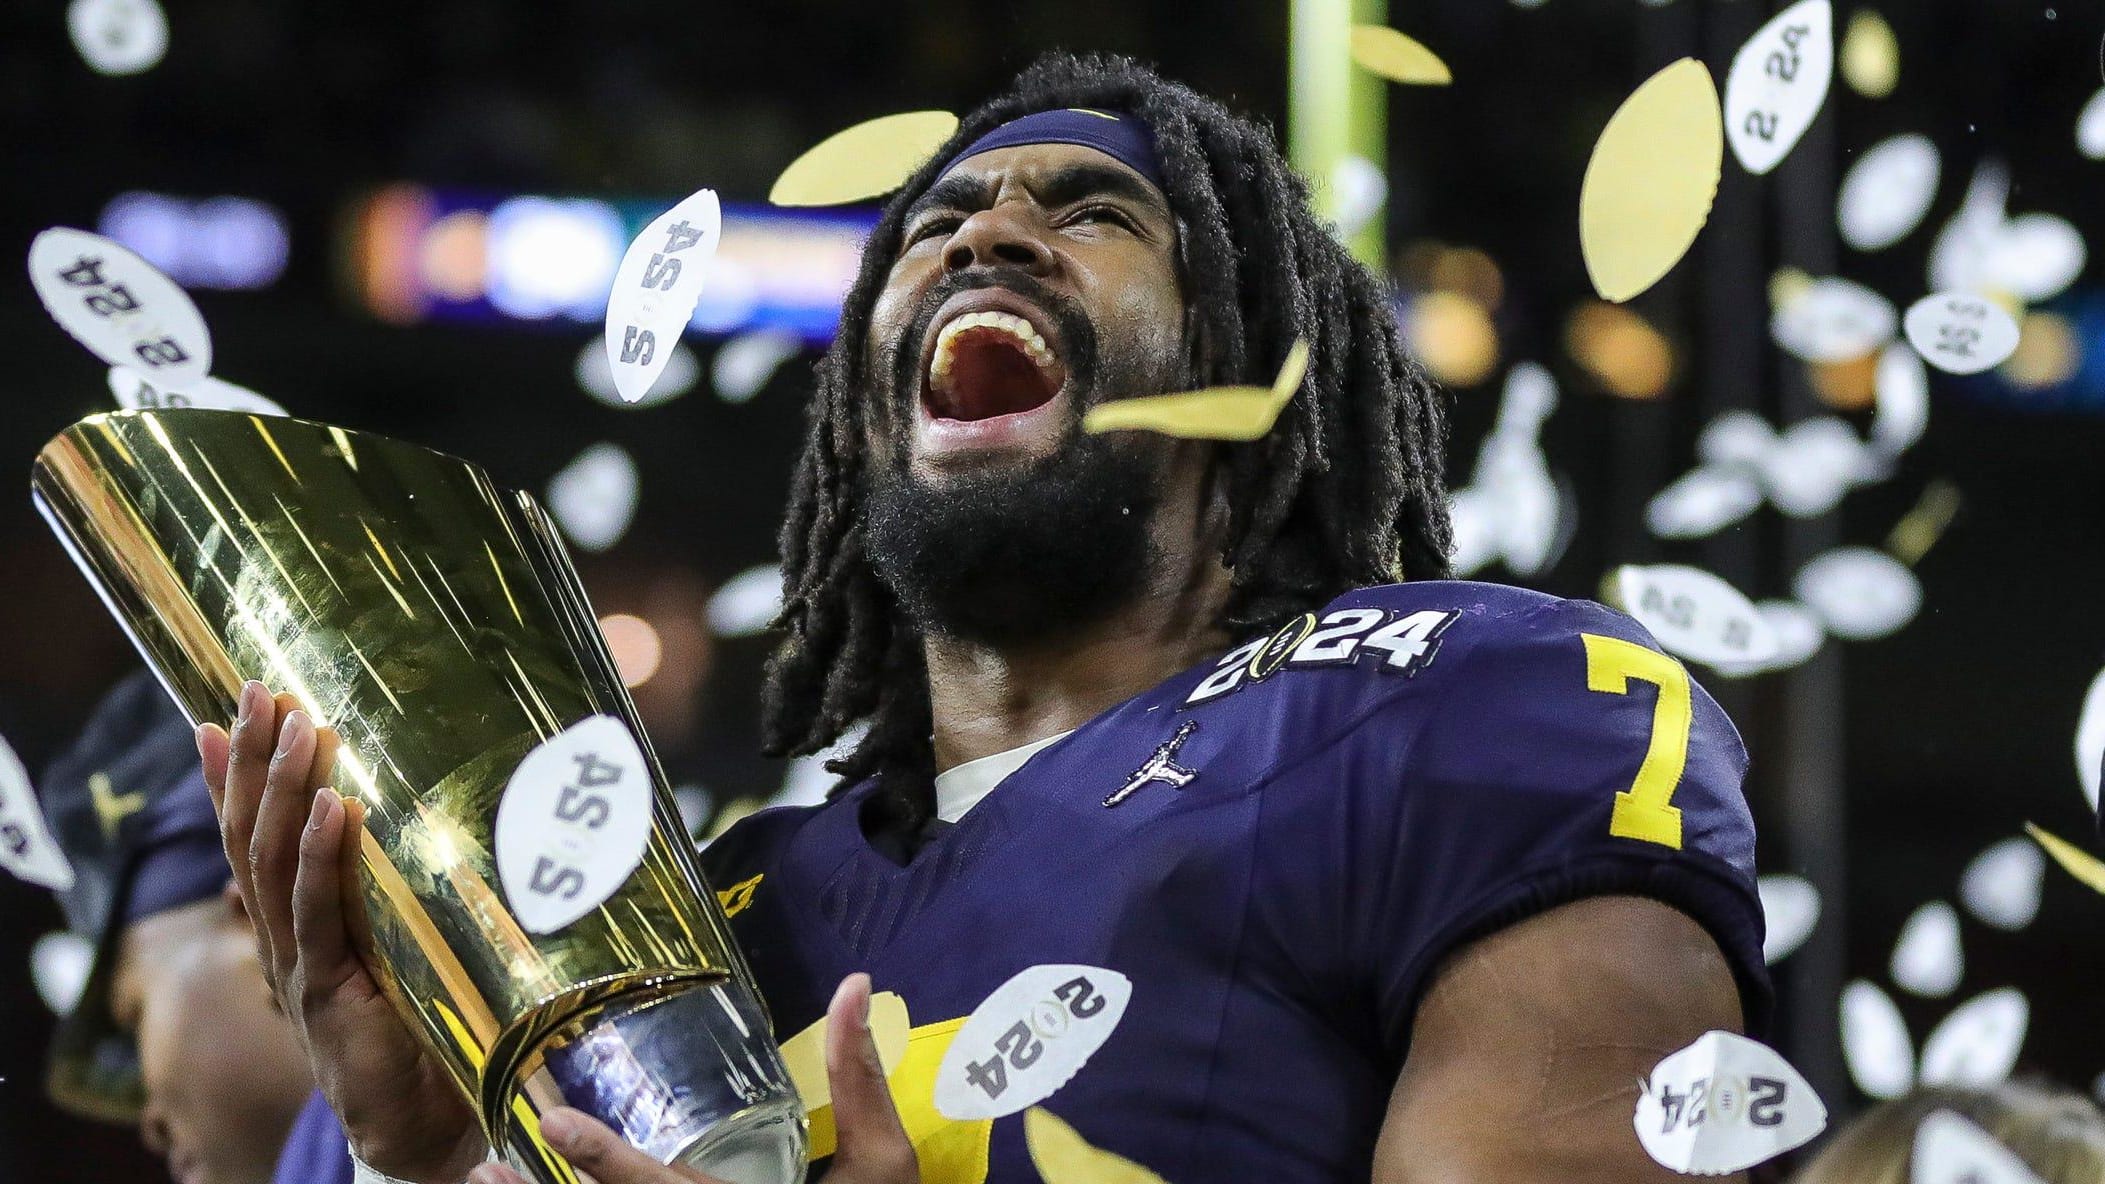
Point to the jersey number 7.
(1646, 810)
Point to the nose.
(154, 1129)
(997, 237)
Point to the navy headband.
(1121, 137)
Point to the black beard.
(1001, 555)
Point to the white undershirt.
(960, 787)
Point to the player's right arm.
(285, 838)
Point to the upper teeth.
(1009, 323)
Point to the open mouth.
(990, 363)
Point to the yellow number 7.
(1646, 810)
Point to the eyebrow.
(1069, 184)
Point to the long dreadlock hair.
(1346, 490)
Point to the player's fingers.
(587, 1143)
(326, 960)
(350, 892)
(873, 1143)
(213, 749)
(274, 844)
(249, 746)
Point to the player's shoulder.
(754, 844)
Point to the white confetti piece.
(1978, 1043)
(26, 847)
(133, 392)
(1959, 257)
(595, 376)
(1927, 959)
(1961, 334)
(1359, 189)
(1702, 502)
(115, 303)
(1695, 614)
(745, 363)
(1476, 534)
(1814, 463)
(1736, 438)
(1778, 82)
(1833, 320)
(1724, 1104)
(1515, 478)
(2035, 257)
(2001, 886)
(1887, 192)
(1799, 635)
(747, 602)
(58, 964)
(594, 497)
(1860, 594)
(2090, 127)
(118, 36)
(2090, 740)
(655, 290)
(1951, 1150)
(1791, 907)
(1902, 390)
(1875, 1043)
(1028, 1039)
(573, 823)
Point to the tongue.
(990, 376)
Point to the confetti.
(1814, 463)
(1360, 189)
(1029, 1038)
(2090, 127)
(1951, 1150)
(804, 1054)
(115, 303)
(1927, 959)
(2035, 257)
(1887, 192)
(1870, 55)
(1958, 259)
(595, 376)
(571, 825)
(1799, 636)
(118, 37)
(594, 497)
(1791, 907)
(1961, 334)
(1833, 320)
(2090, 740)
(1694, 614)
(1724, 1104)
(1702, 502)
(1912, 537)
(134, 392)
(1903, 400)
(747, 602)
(1860, 594)
(1736, 438)
(1778, 83)
(1381, 50)
(2001, 886)
(865, 161)
(1064, 1157)
(2087, 868)
(1476, 531)
(26, 847)
(1977, 1044)
(1651, 180)
(655, 290)
(745, 363)
(58, 964)
(1218, 413)
(1875, 1043)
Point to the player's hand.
(873, 1146)
(293, 847)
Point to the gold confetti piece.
(1216, 413)
(1064, 1157)
(1650, 184)
(1912, 537)
(1870, 55)
(1381, 50)
(804, 1054)
(2080, 863)
(865, 161)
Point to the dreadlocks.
(1345, 491)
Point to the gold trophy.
(533, 906)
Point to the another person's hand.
(293, 846)
(873, 1145)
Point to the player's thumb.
(873, 1145)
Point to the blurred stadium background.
(402, 217)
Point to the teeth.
(1033, 343)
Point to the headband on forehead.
(1117, 135)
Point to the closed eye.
(935, 224)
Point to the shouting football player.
(1343, 871)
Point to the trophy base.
(688, 1073)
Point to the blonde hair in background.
(2061, 1135)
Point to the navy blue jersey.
(1277, 849)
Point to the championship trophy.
(533, 906)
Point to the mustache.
(1077, 332)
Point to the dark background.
(1928, 746)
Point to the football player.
(1330, 870)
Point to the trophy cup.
(533, 906)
